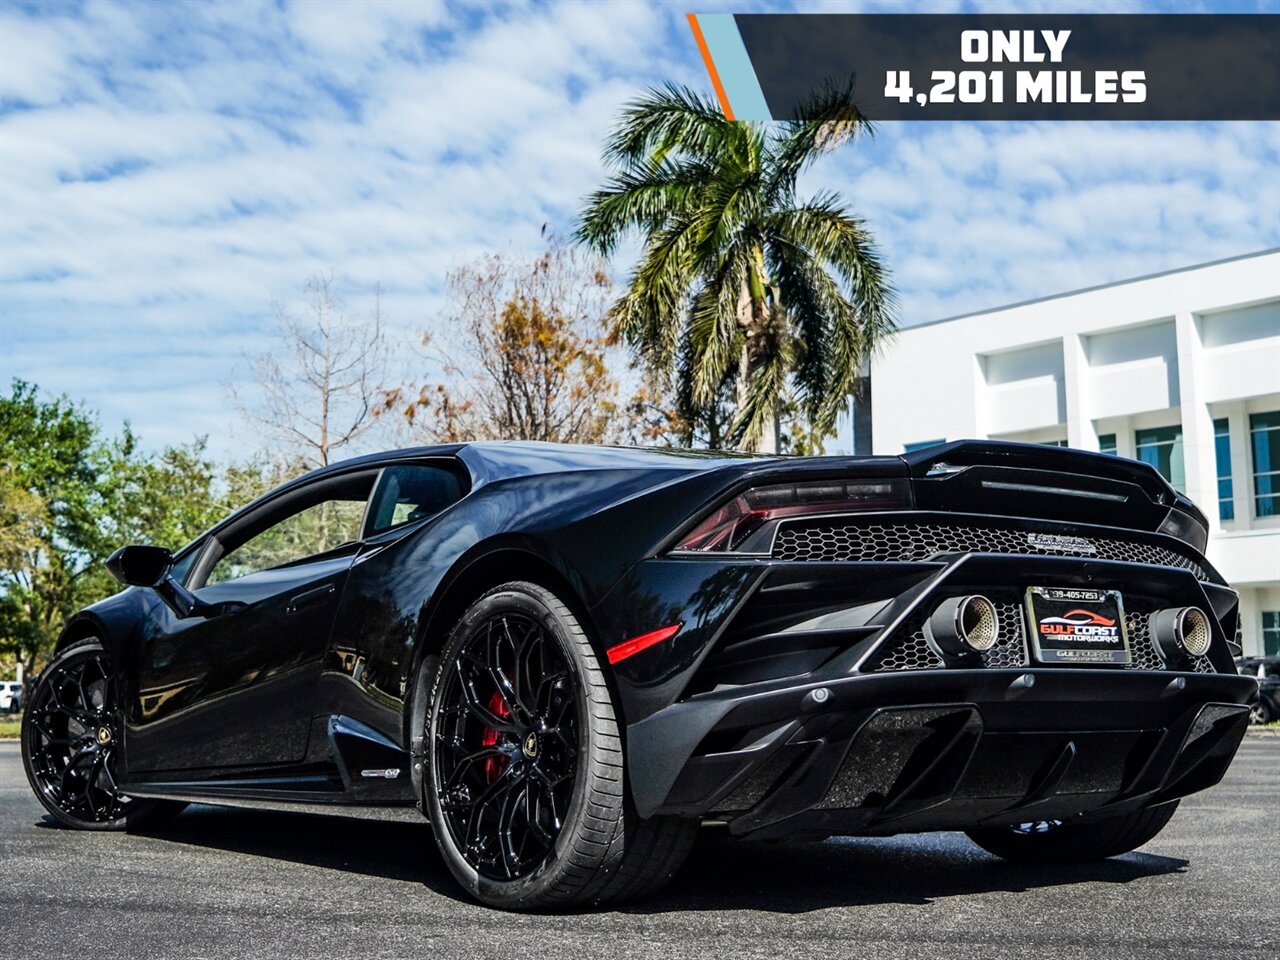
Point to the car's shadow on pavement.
(724, 874)
(721, 874)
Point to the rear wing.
(1058, 482)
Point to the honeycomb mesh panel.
(909, 650)
(1010, 649)
(1142, 645)
(836, 539)
(1143, 650)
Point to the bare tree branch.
(320, 386)
(534, 352)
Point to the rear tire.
(1057, 843)
(525, 785)
(69, 739)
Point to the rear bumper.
(934, 750)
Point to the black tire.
(1260, 712)
(585, 843)
(1062, 843)
(73, 727)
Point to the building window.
(908, 447)
(1162, 448)
(1264, 437)
(1107, 443)
(1222, 450)
(1053, 443)
(1270, 633)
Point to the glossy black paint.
(309, 672)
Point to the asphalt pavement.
(236, 883)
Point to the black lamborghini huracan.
(568, 658)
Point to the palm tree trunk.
(753, 313)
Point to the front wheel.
(1055, 842)
(525, 784)
(70, 734)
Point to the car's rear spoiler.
(1125, 492)
(995, 453)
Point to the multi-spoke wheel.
(1056, 841)
(69, 743)
(506, 746)
(525, 783)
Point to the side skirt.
(325, 808)
(364, 771)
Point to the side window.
(314, 520)
(411, 492)
(317, 529)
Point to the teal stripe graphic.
(734, 66)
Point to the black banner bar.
(1022, 67)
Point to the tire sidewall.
(80, 648)
(526, 600)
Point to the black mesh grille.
(1142, 646)
(847, 540)
(910, 651)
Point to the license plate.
(1077, 626)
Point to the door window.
(307, 524)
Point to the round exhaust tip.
(1181, 632)
(963, 625)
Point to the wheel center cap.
(530, 745)
(104, 735)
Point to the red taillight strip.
(633, 646)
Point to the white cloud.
(167, 171)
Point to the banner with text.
(997, 66)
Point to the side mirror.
(143, 566)
(139, 566)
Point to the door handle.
(309, 597)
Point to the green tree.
(68, 497)
(742, 284)
(166, 499)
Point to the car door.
(238, 689)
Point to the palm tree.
(741, 282)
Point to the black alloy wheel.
(506, 746)
(70, 744)
(526, 786)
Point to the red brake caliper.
(494, 766)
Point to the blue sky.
(167, 171)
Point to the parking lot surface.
(236, 883)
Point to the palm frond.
(648, 315)
(831, 235)
(765, 393)
(666, 119)
(645, 198)
(829, 119)
(829, 270)
(715, 335)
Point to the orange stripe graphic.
(711, 67)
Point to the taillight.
(745, 524)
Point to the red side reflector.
(633, 646)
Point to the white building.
(1180, 369)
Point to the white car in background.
(10, 696)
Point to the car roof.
(490, 460)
